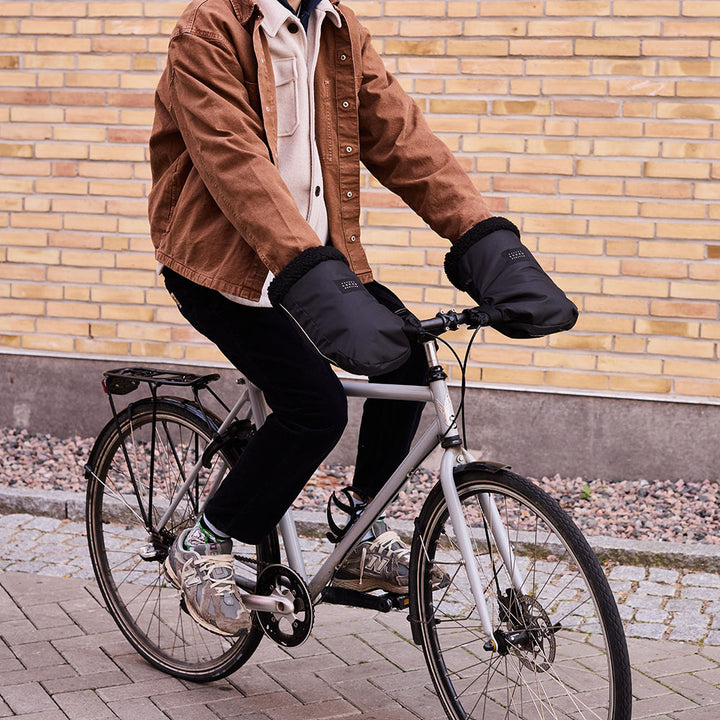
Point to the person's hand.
(491, 264)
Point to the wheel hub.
(530, 635)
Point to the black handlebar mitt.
(491, 264)
(338, 315)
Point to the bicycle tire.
(562, 650)
(127, 555)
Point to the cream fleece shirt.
(294, 54)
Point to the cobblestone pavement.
(61, 655)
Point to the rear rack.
(124, 380)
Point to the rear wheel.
(560, 646)
(133, 475)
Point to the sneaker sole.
(368, 585)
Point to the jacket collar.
(275, 14)
(244, 9)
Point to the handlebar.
(453, 320)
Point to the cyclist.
(263, 114)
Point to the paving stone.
(403, 654)
(47, 615)
(82, 705)
(235, 706)
(55, 714)
(356, 672)
(134, 708)
(351, 649)
(701, 713)
(693, 687)
(702, 579)
(43, 523)
(652, 615)
(655, 588)
(628, 572)
(420, 701)
(201, 712)
(644, 601)
(412, 678)
(315, 711)
(39, 654)
(700, 593)
(644, 687)
(96, 681)
(253, 680)
(662, 704)
(653, 631)
(684, 606)
(197, 696)
(40, 675)
(663, 575)
(149, 688)
(364, 695)
(688, 633)
(676, 664)
(27, 697)
(713, 638)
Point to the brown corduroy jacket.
(220, 213)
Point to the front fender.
(483, 465)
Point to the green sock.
(202, 534)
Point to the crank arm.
(269, 603)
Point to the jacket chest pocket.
(286, 90)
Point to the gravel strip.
(672, 511)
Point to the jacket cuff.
(477, 232)
(298, 267)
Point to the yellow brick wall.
(593, 124)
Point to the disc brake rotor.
(533, 639)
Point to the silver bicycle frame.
(443, 426)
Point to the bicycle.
(524, 625)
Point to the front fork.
(454, 457)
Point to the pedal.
(352, 598)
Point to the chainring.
(292, 629)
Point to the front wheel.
(559, 646)
(136, 469)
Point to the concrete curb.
(696, 556)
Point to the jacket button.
(343, 57)
(352, 238)
(348, 149)
(346, 104)
(348, 194)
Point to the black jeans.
(309, 409)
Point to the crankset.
(290, 624)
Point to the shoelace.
(387, 546)
(206, 564)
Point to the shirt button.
(293, 28)
(317, 191)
